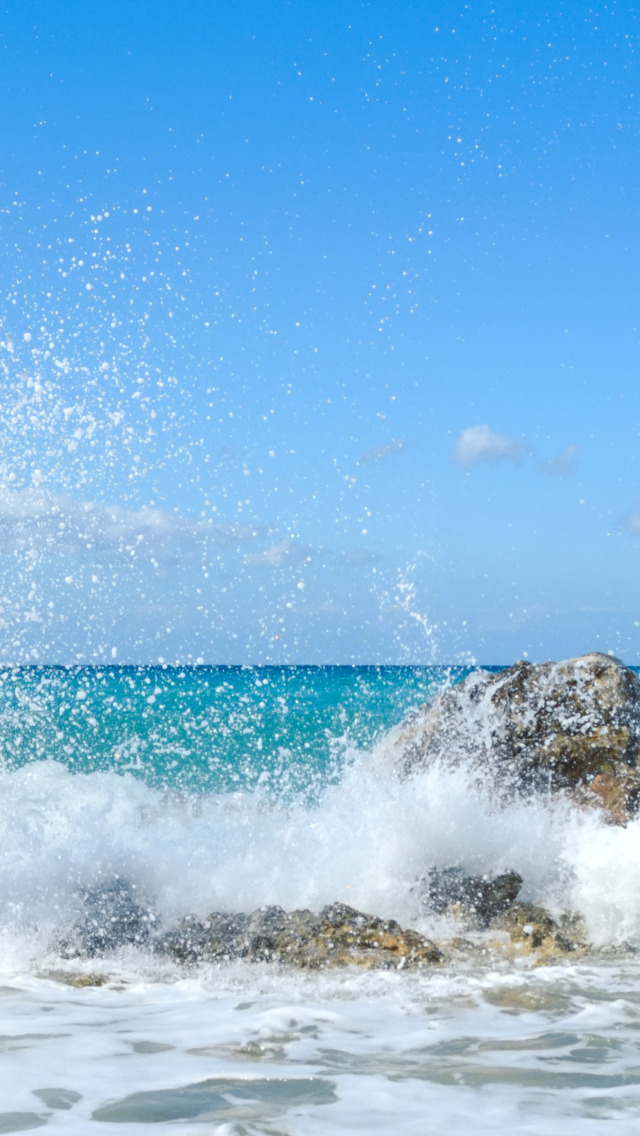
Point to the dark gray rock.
(219, 936)
(476, 895)
(112, 917)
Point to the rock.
(476, 895)
(348, 935)
(570, 726)
(76, 978)
(112, 917)
(616, 795)
(338, 936)
(216, 938)
(532, 927)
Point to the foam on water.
(241, 1054)
(368, 841)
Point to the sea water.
(231, 788)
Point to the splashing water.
(231, 788)
(243, 1047)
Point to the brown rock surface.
(532, 927)
(573, 725)
(338, 936)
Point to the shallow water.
(247, 1049)
(489, 1042)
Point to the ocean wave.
(368, 841)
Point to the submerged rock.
(573, 725)
(338, 936)
(112, 917)
(475, 895)
(78, 978)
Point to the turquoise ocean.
(229, 788)
(208, 729)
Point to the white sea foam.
(238, 1052)
(368, 842)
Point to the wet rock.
(572, 726)
(213, 939)
(475, 895)
(76, 978)
(616, 795)
(621, 950)
(112, 917)
(348, 935)
(532, 927)
(338, 936)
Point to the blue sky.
(319, 331)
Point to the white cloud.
(632, 521)
(479, 444)
(284, 554)
(327, 607)
(37, 522)
(356, 557)
(564, 463)
(380, 453)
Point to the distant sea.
(229, 788)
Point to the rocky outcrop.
(338, 936)
(479, 903)
(572, 726)
(478, 896)
(112, 916)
